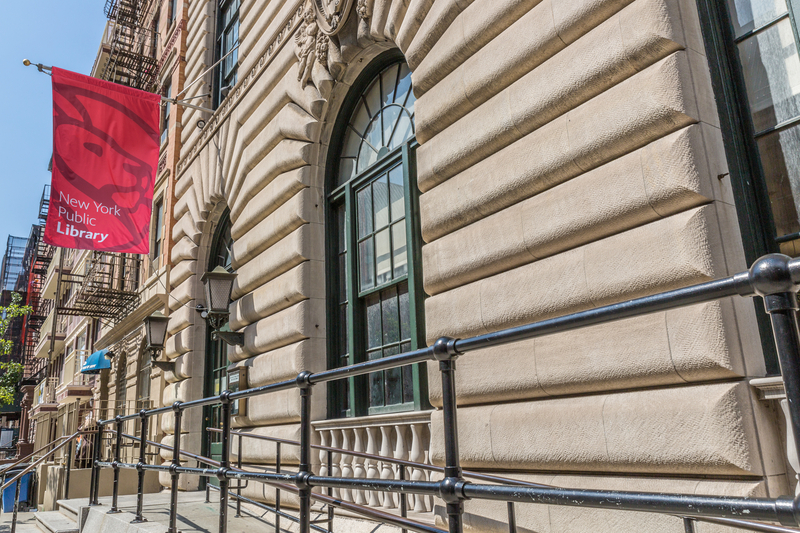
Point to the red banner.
(105, 155)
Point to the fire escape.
(38, 256)
(131, 59)
(107, 289)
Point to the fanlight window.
(382, 121)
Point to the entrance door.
(216, 370)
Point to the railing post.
(208, 485)
(173, 468)
(140, 468)
(330, 491)
(304, 471)
(403, 498)
(512, 519)
(224, 462)
(239, 486)
(688, 525)
(95, 485)
(115, 465)
(451, 486)
(17, 485)
(278, 491)
(69, 470)
(771, 278)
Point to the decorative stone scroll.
(332, 14)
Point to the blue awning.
(96, 362)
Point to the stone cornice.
(222, 113)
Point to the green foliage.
(10, 373)
(10, 377)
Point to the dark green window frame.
(348, 317)
(740, 138)
(216, 353)
(227, 38)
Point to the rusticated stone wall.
(570, 157)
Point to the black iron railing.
(773, 277)
(17, 479)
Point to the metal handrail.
(18, 461)
(753, 526)
(359, 509)
(773, 277)
(15, 480)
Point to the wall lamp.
(218, 286)
(155, 328)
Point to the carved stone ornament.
(362, 9)
(311, 45)
(332, 14)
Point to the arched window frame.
(347, 324)
(216, 354)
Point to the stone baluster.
(358, 466)
(347, 459)
(323, 455)
(372, 465)
(427, 439)
(387, 472)
(417, 455)
(336, 471)
(400, 453)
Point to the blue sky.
(65, 33)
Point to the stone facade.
(570, 156)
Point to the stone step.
(68, 508)
(55, 522)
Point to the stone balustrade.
(404, 436)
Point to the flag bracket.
(39, 66)
(44, 69)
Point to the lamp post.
(155, 328)
(218, 287)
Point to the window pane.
(405, 313)
(748, 15)
(360, 121)
(351, 143)
(780, 157)
(368, 153)
(408, 380)
(364, 212)
(391, 317)
(404, 87)
(347, 169)
(399, 249)
(384, 257)
(373, 99)
(403, 132)
(394, 380)
(772, 75)
(373, 304)
(376, 391)
(397, 193)
(389, 81)
(380, 189)
(366, 261)
(390, 117)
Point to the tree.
(11, 372)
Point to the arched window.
(216, 370)
(375, 298)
